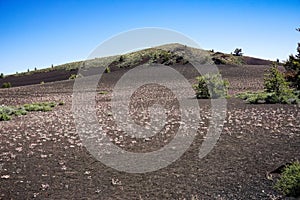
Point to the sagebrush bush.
(121, 59)
(289, 182)
(6, 85)
(211, 86)
(268, 97)
(6, 112)
(107, 70)
(103, 92)
(47, 106)
(73, 76)
(4, 117)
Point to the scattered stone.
(5, 176)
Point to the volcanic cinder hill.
(166, 54)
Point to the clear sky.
(39, 33)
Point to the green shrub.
(51, 104)
(121, 59)
(73, 76)
(252, 97)
(274, 81)
(103, 92)
(297, 93)
(20, 111)
(107, 70)
(276, 90)
(4, 117)
(165, 56)
(244, 95)
(7, 111)
(268, 97)
(6, 85)
(61, 103)
(1, 75)
(289, 183)
(46, 106)
(46, 109)
(272, 98)
(211, 86)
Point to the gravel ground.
(42, 156)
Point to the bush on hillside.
(274, 81)
(211, 86)
(276, 90)
(107, 70)
(289, 183)
(73, 76)
(6, 112)
(6, 85)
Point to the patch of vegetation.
(259, 97)
(107, 70)
(61, 103)
(46, 106)
(73, 76)
(4, 117)
(226, 59)
(6, 112)
(211, 86)
(289, 183)
(276, 90)
(151, 55)
(6, 85)
(121, 59)
(103, 92)
(1, 75)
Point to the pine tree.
(292, 67)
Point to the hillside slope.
(170, 54)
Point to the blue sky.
(40, 33)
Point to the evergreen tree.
(292, 67)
